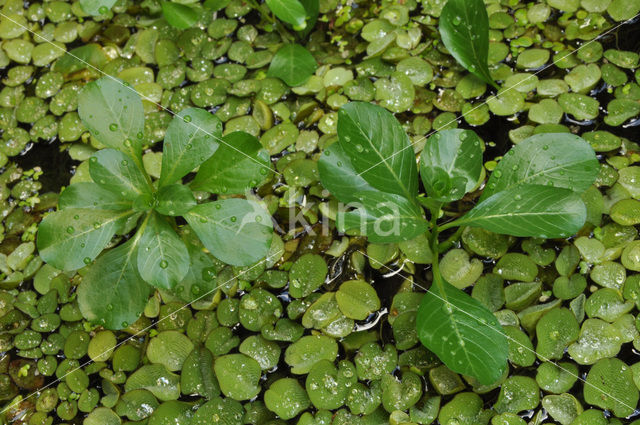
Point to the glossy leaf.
(179, 15)
(200, 279)
(293, 64)
(463, 333)
(338, 175)
(290, 11)
(112, 111)
(529, 210)
(383, 217)
(112, 293)
(92, 195)
(378, 148)
(117, 172)
(464, 29)
(458, 154)
(560, 159)
(72, 238)
(163, 260)
(78, 58)
(236, 231)
(239, 164)
(191, 138)
(175, 200)
(97, 7)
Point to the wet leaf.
(293, 64)
(464, 28)
(91, 195)
(97, 7)
(118, 172)
(462, 333)
(290, 11)
(179, 15)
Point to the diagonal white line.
(543, 358)
(132, 336)
(128, 87)
(506, 90)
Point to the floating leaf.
(179, 15)
(290, 11)
(97, 7)
(81, 58)
(293, 64)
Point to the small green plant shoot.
(535, 191)
(152, 248)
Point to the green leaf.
(92, 195)
(78, 58)
(441, 187)
(216, 5)
(462, 333)
(203, 271)
(312, 7)
(383, 217)
(112, 293)
(293, 64)
(179, 15)
(72, 238)
(459, 154)
(559, 159)
(464, 28)
(239, 164)
(338, 175)
(175, 199)
(117, 172)
(529, 211)
(191, 138)
(378, 148)
(112, 111)
(163, 259)
(236, 231)
(97, 7)
(290, 11)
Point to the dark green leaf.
(290, 11)
(462, 333)
(72, 238)
(339, 177)
(191, 138)
(117, 172)
(216, 5)
(91, 195)
(239, 164)
(441, 187)
(529, 210)
(203, 270)
(175, 199)
(112, 293)
(78, 58)
(464, 28)
(112, 111)
(378, 148)
(236, 231)
(293, 64)
(179, 15)
(383, 217)
(163, 259)
(459, 154)
(558, 159)
(97, 7)
(312, 7)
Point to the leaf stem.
(437, 277)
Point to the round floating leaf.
(156, 379)
(227, 410)
(305, 352)
(610, 385)
(293, 64)
(102, 416)
(357, 299)
(238, 375)
(169, 348)
(306, 275)
(197, 376)
(97, 7)
(171, 412)
(286, 398)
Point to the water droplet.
(195, 290)
(125, 324)
(113, 126)
(164, 264)
(218, 206)
(124, 163)
(498, 173)
(75, 217)
(339, 163)
(263, 171)
(518, 197)
(186, 118)
(96, 225)
(359, 147)
(87, 260)
(259, 218)
(93, 159)
(545, 148)
(110, 307)
(140, 135)
(70, 229)
(456, 20)
(233, 219)
(103, 10)
(203, 220)
(127, 143)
